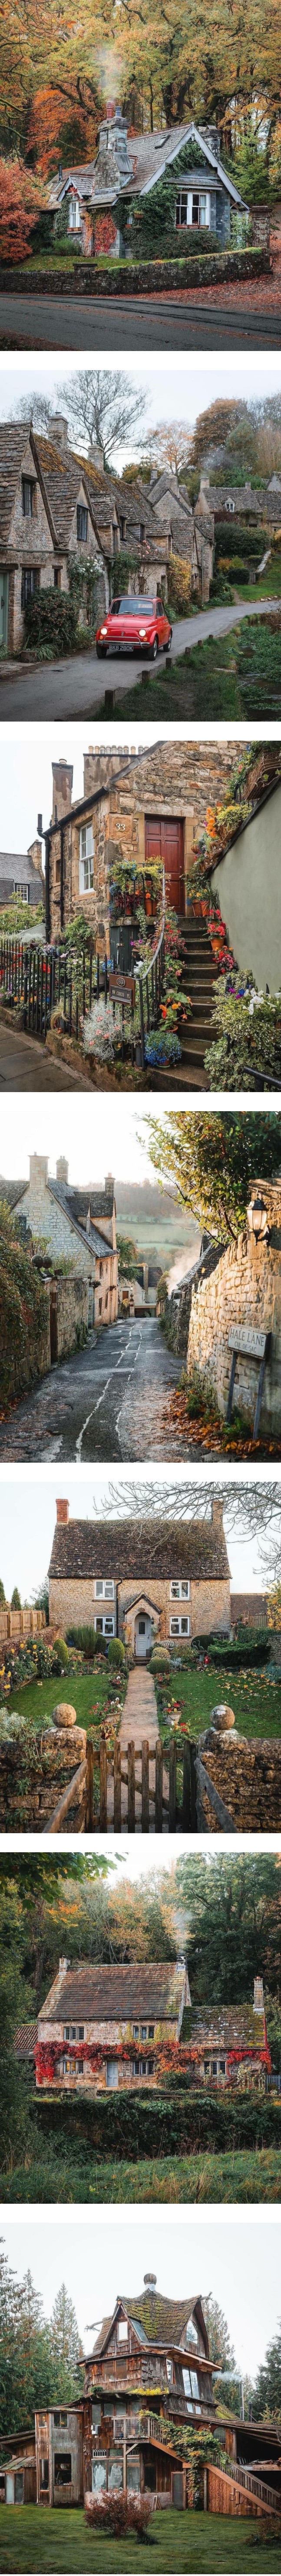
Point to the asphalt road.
(76, 687)
(105, 1403)
(144, 322)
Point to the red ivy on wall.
(104, 233)
(167, 2056)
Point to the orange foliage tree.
(63, 125)
(21, 201)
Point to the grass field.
(200, 2545)
(89, 1694)
(62, 2173)
(255, 1698)
(235, 674)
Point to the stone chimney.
(35, 854)
(62, 1169)
(98, 762)
(62, 1509)
(58, 432)
(217, 1514)
(38, 1171)
(109, 1182)
(62, 788)
(258, 1995)
(63, 1965)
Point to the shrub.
(179, 585)
(51, 623)
(182, 1649)
(60, 1656)
(21, 199)
(116, 1652)
(119, 2514)
(87, 1640)
(160, 1660)
(200, 1395)
(16, 1599)
(24, 1314)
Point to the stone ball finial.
(222, 1717)
(64, 1714)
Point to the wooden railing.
(135, 2428)
(236, 2491)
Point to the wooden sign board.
(243, 1338)
(122, 988)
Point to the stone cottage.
(89, 199)
(110, 2027)
(46, 521)
(164, 1579)
(21, 874)
(134, 807)
(77, 1223)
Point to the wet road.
(107, 1402)
(141, 322)
(76, 686)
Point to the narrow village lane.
(106, 1402)
(76, 686)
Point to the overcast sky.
(94, 1142)
(28, 1516)
(104, 2252)
(170, 392)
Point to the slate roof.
(224, 2027)
(150, 155)
(142, 1547)
(116, 1992)
(247, 1605)
(163, 2321)
(97, 1241)
(63, 474)
(25, 2039)
(14, 436)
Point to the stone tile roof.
(248, 1606)
(146, 1548)
(25, 2039)
(224, 2027)
(63, 475)
(13, 443)
(12, 1191)
(97, 1241)
(116, 1992)
(162, 2320)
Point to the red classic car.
(134, 626)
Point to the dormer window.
(28, 497)
(82, 522)
(122, 2330)
(86, 859)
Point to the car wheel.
(154, 649)
(101, 652)
(168, 645)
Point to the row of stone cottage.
(124, 2025)
(59, 512)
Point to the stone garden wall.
(245, 1288)
(34, 1771)
(247, 1776)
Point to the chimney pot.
(62, 1169)
(258, 1995)
(62, 1509)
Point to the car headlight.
(103, 630)
(142, 631)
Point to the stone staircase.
(198, 980)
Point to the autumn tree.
(21, 203)
(170, 445)
(214, 1160)
(214, 427)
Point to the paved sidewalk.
(26, 1066)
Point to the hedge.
(171, 2123)
(24, 1315)
(51, 621)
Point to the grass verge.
(196, 2545)
(66, 2176)
(235, 674)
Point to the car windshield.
(132, 608)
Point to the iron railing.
(40, 979)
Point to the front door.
(4, 598)
(164, 839)
(142, 1637)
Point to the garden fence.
(135, 1790)
(39, 980)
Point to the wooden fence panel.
(145, 1789)
(117, 1787)
(158, 1788)
(103, 1788)
(131, 1789)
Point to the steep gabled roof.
(149, 155)
(162, 2320)
(62, 478)
(119, 1991)
(146, 1548)
(224, 2027)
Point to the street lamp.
(258, 1219)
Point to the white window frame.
(185, 197)
(179, 1591)
(74, 217)
(86, 858)
(107, 1626)
(104, 1590)
(179, 1627)
(23, 890)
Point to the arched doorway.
(142, 1637)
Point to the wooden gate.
(164, 839)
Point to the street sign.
(122, 988)
(243, 1338)
(255, 1345)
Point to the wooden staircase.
(198, 980)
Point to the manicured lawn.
(236, 674)
(200, 2545)
(66, 2175)
(89, 1693)
(255, 1697)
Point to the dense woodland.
(229, 72)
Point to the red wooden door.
(164, 837)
